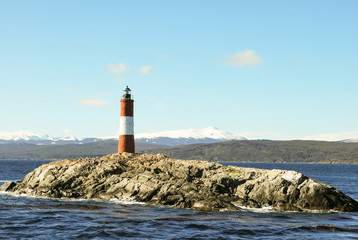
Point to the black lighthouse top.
(126, 93)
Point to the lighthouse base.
(126, 144)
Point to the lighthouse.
(126, 126)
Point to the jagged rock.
(7, 186)
(156, 179)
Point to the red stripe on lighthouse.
(127, 107)
(126, 144)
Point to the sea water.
(23, 217)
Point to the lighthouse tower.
(126, 126)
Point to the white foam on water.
(128, 201)
(15, 194)
(269, 209)
(41, 197)
(258, 210)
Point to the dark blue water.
(40, 218)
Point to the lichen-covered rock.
(156, 179)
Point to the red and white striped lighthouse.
(126, 126)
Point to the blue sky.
(266, 69)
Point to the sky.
(263, 69)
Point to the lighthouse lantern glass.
(127, 93)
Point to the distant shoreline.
(52, 160)
(252, 151)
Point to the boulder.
(159, 180)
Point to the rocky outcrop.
(156, 179)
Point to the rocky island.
(159, 180)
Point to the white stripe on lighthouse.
(126, 126)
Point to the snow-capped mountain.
(351, 140)
(209, 132)
(21, 135)
(187, 136)
(35, 138)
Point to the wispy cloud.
(70, 90)
(95, 102)
(304, 62)
(244, 58)
(163, 57)
(65, 131)
(119, 79)
(118, 68)
(145, 70)
(102, 93)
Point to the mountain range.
(168, 138)
(163, 138)
(23, 136)
(294, 151)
